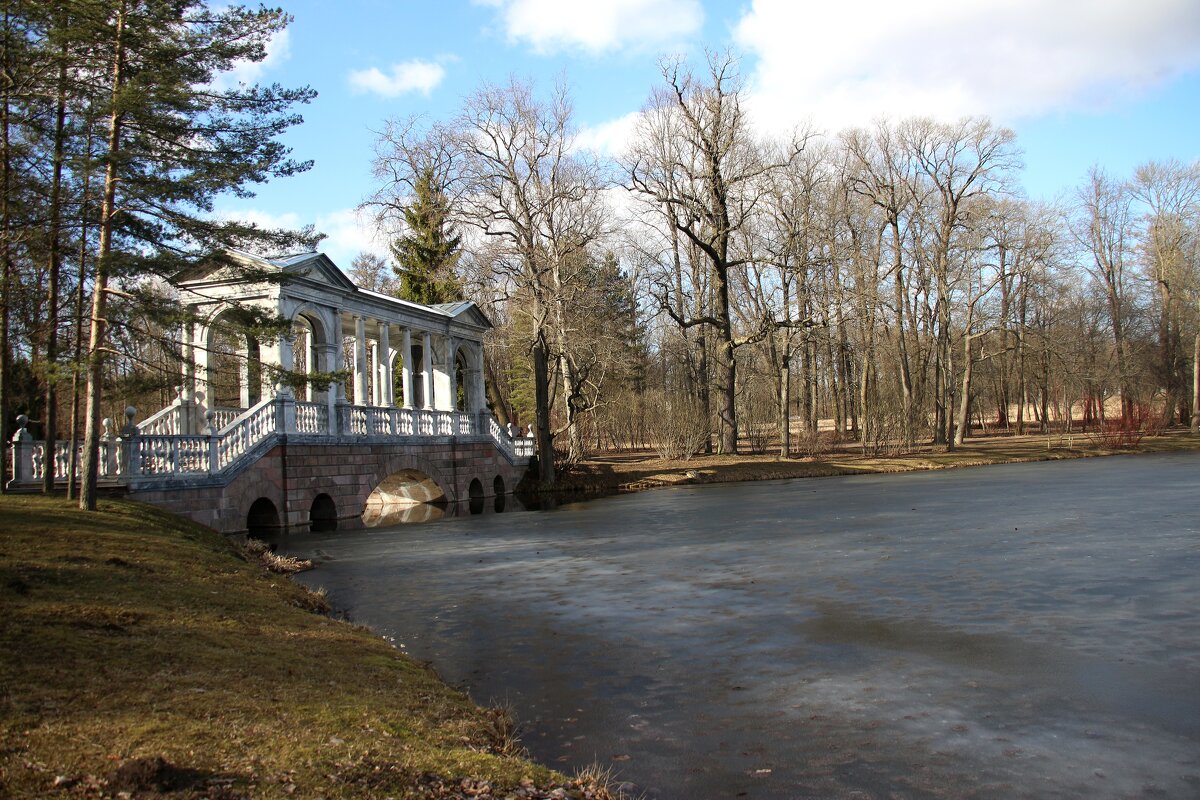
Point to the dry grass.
(635, 471)
(143, 653)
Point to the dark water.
(1013, 631)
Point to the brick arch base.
(292, 475)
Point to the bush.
(1125, 433)
(681, 429)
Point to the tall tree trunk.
(6, 234)
(541, 382)
(1196, 385)
(785, 385)
(95, 373)
(499, 406)
(964, 399)
(54, 265)
(727, 411)
(906, 387)
(80, 297)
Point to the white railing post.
(339, 422)
(214, 443)
(285, 411)
(22, 451)
(108, 450)
(131, 457)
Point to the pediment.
(238, 267)
(467, 312)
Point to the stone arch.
(310, 340)
(498, 486)
(233, 364)
(262, 519)
(468, 376)
(322, 514)
(475, 496)
(404, 481)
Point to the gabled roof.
(465, 310)
(314, 266)
(319, 268)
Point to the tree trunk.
(6, 233)
(785, 426)
(1196, 385)
(54, 265)
(964, 399)
(91, 454)
(499, 407)
(541, 381)
(80, 296)
(728, 443)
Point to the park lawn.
(129, 635)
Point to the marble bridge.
(240, 451)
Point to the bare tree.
(960, 161)
(525, 187)
(1102, 225)
(696, 159)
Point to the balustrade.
(312, 418)
(233, 434)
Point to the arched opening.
(323, 514)
(418, 376)
(475, 496)
(262, 521)
(405, 496)
(460, 381)
(498, 486)
(234, 368)
(307, 337)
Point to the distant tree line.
(711, 285)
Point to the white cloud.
(610, 138)
(348, 231)
(846, 63)
(409, 76)
(597, 25)
(279, 50)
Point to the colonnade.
(367, 350)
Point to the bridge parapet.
(138, 459)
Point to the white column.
(406, 367)
(427, 370)
(286, 362)
(452, 374)
(310, 357)
(478, 393)
(188, 391)
(376, 397)
(360, 361)
(386, 376)
(244, 373)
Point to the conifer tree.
(176, 139)
(428, 253)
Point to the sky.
(1112, 83)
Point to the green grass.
(131, 634)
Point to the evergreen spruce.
(427, 254)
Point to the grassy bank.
(143, 654)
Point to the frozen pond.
(1028, 630)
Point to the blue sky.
(1082, 82)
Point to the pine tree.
(426, 256)
(174, 141)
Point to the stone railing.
(514, 446)
(137, 455)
